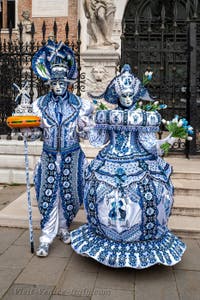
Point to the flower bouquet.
(147, 77)
(99, 105)
(151, 106)
(178, 129)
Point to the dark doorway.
(164, 36)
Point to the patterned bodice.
(125, 128)
(131, 119)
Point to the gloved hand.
(31, 134)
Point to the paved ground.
(9, 193)
(65, 275)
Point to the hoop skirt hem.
(167, 250)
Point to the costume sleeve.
(149, 141)
(98, 137)
(152, 144)
(85, 119)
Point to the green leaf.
(165, 147)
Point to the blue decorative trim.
(167, 250)
(47, 181)
(69, 181)
(65, 150)
(70, 98)
(127, 128)
(70, 187)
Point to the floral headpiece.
(123, 84)
(55, 61)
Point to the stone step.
(12, 165)
(189, 176)
(186, 206)
(16, 215)
(186, 187)
(185, 226)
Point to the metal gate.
(15, 67)
(164, 37)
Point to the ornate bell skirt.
(167, 250)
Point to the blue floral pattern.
(128, 196)
(166, 250)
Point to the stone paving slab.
(23, 239)
(16, 256)
(188, 284)
(26, 292)
(65, 275)
(8, 236)
(7, 276)
(77, 284)
(122, 279)
(69, 297)
(112, 294)
(46, 271)
(83, 264)
(157, 282)
(59, 249)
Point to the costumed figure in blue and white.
(128, 194)
(65, 118)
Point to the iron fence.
(15, 67)
(165, 39)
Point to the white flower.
(189, 138)
(168, 122)
(164, 121)
(174, 120)
(156, 103)
(180, 123)
(148, 74)
(140, 103)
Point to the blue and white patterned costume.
(128, 195)
(59, 176)
(62, 161)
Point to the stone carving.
(99, 79)
(26, 22)
(100, 15)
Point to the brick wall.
(24, 5)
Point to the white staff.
(30, 219)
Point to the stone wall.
(71, 17)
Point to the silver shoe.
(43, 250)
(65, 237)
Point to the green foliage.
(101, 106)
(165, 147)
